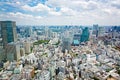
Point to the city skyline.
(59, 53)
(57, 12)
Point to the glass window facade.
(8, 32)
(10, 37)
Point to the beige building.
(22, 52)
(13, 51)
(27, 47)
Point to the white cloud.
(18, 3)
(53, 13)
(83, 19)
(70, 12)
(39, 7)
(21, 18)
(93, 8)
(73, 4)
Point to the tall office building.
(98, 31)
(95, 29)
(85, 35)
(0, 38)
(76, 39)
(8, 32)
(28, 31)
(66, 45)
(101, 31)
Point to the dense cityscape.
(59, 39)
(59, 52)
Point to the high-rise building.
(76, 39)
(2, 55)
(27, 47)
(28, 31)
(98, 31)
(0, 36)
(66, 45)
(8, 32)
(95, 29)
(85, 35)
(13, 51)
(101, 31)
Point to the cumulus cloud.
(39, 7)
(64, 11)
(68, 12)
(115, 4)
(21, 18)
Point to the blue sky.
(61, 12)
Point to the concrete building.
(13, 51)
(28, 72)
(22, 51)
(66, 45)
(76, 39)
(44, 75)
(2, 54)
(27, 47)
(95, 30)
(98, 31)
(101, 31)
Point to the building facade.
(66, 45)
(85, 35)
(95, 29)
(8, 32)
(13, 51)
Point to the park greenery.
(41, 42)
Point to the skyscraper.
(8, 32)
(95, 29)
(101, 31)
(85, 35)
(98, 31)
(76, 39)
(66, 45)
